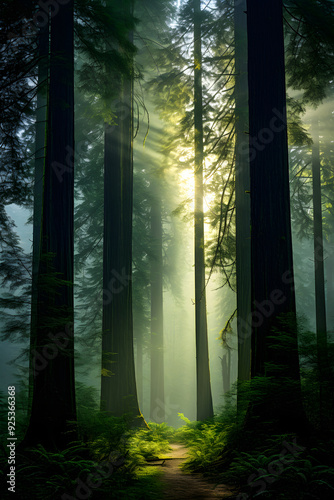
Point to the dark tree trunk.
(40, 154)
(53, 404)
(330, 292)
(118, 386)
(273, 297)
(242, 198)
(226, 368)
(320, 304)
(329, 249)
(157, 411)
(318, 242)
(118, 382)
(204, 397)
(139, 368)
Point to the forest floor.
(181, 485)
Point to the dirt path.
(179, 485)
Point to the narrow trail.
(180, 485)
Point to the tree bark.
(157, 410)
(226, 368)
(118, 386)
(139, 368)
(204, 397)
(118, 382)
(330, 293)
(318, 241)
(40, 155)
(273, 297)
(53, 404)
(242, 198)
(319, 273)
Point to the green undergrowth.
(283, 468)
(70, 475)
(113, 459)
(109, 461)
(205, 442)
(148, 444)
(278, 467)
(260, 464)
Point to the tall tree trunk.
(139, 368)
(242, 199)
(226, 368)
(118, 386)
(319, 275)
(204, 397)
(118, 382)
(329, 249)
(273, 297)
(40, 154)
(53, 404)
(330, 292)
(157, 410)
